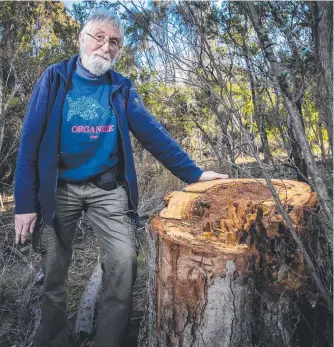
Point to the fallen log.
(225, 270)
(85, 314)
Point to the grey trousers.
(107, 212)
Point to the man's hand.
(211, 175)
(24, 223)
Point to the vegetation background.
(246, 88)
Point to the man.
(75, 155)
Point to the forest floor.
(21, 278)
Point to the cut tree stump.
(225, 270)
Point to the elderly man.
(75, 155)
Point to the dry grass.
(20, 290)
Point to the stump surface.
(220, 214)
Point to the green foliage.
(81, 11)
(33, 35)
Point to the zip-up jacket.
(37, 164)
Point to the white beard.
(95, 64)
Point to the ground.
(21, 280)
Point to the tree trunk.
(296, 154)
(223, 123)
(225, 271)
(323, 39)
(258, 108)
(2, 110)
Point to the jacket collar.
(65, 69)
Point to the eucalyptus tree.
(321, 22)
(185, 54)
(291, 99)
(33, 35)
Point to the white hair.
(104, 17)
(94, 63)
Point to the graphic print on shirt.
(84, 107)
(88, 137)
(87, 109)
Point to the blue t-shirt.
(88, 139)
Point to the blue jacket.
(37, 163)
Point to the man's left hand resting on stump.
(211, 175)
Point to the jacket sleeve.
(26, 174)
(155, 138)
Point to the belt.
(107, 180)
(109, 186)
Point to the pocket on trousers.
(37, 235)
(133, 229)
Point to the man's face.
(98, 57)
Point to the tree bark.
(4, 105)
(225, 270)
(257, 104)
(323, 39)
(85, 314)
(2, 110)
(296, 154)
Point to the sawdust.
(217, 202)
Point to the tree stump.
(225, 270)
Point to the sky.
(68, 4)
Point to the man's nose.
(105, 47)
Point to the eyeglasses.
(100, 40)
